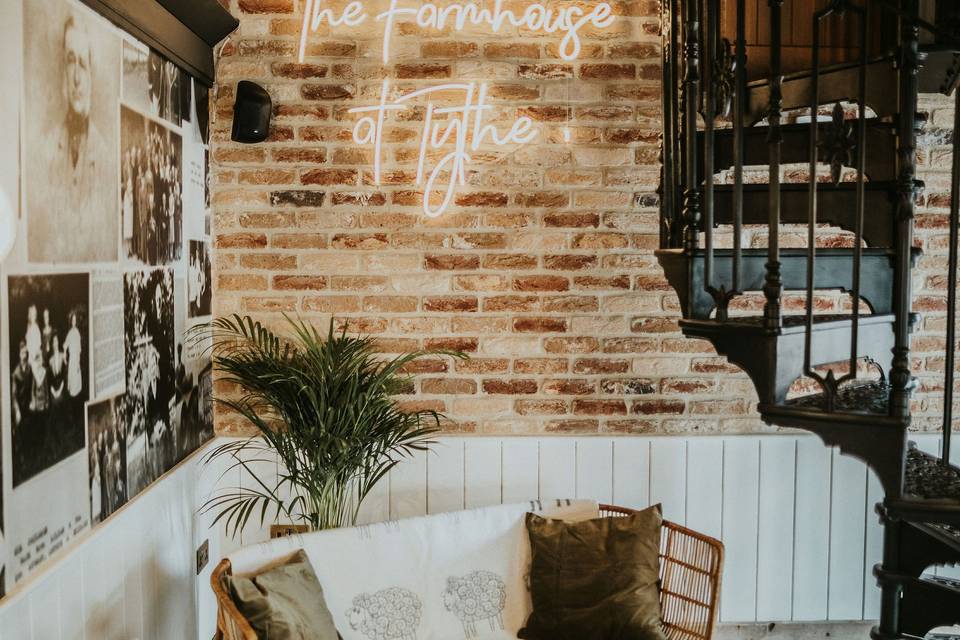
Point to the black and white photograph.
(107, 453)
(49, 356)
(198, 279)
(149, 341)
(151, 193)
(165, 85)
(136, 85)
(70, 133)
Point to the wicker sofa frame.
(690, 567)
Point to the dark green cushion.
(285, 602)
(596, 579)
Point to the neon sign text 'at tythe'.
(537, 17)
(465, 122)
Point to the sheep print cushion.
(284, 602)
(450, 576)
(595, 580)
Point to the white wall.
(133, 577)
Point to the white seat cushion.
(441, 577)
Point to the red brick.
(593, 365)
(651, 407)
(539, 325)
(540, 283)
(466, 345)
(599, 407)
(451, 304)
(266, 6)
(300, 283)
(497, 386)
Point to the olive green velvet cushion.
(284, 602)
(596, 579)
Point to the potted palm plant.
(326, 412)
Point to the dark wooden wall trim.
(185, 31)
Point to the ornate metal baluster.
(773, 284)
(668, 188)
(691, 90)
(812, 204)
(709, 119)
(949, 374)
(861, 179)
(911, 59)
(739, 106)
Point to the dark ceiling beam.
(185, 31)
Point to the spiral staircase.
(753, 90)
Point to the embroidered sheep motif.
(477, 596)
(388, 614)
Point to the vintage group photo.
(107, 454)
(149, 348)
(49, 356)
(151, 194)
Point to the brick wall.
(543, 270)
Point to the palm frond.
(325, 409)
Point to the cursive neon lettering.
(537, 17)
(462, 119)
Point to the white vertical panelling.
(521, 465)
(705, 485)
(631, 472)
(558, 468)
(376, 506)
(741, 471)
(44, 602)
(811, 555)
(445, 477)
(595, 469)
(873, 547)
(668, 477)
(15, 620)
(408, 487)
(847, 529)
(484, 482)
(70, 579)
(778, 466)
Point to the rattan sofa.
(690, 567)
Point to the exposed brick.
(451, 304)
(509, 387)
(540, 325)
(241, 241)
(448, 386)
(300, 283)
(599, 407)
(540, 283)
(649, 407)
(266, 6)
(297, 198)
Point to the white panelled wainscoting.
(808, 558)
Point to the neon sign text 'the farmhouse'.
(461, 125)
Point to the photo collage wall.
(102, 389)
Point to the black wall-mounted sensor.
(251, 113)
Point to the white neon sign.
(464, 121)
(537, 17)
